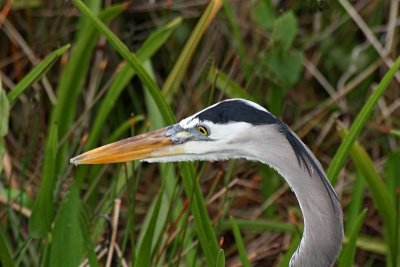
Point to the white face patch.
(223, 132)
(221, 144)
(227, 131)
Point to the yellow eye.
(203, 130)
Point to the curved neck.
(322, 213)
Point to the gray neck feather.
(322, 213)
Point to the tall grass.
(111, 84)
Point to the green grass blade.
(204, 229)
(220, 258)
(380, 195)
(181, 65)
(238, 40)
(131, 58)
(95, 6)
(43, 209)
(143, 257)
(45, 257)
(73, 76)
(157, 39)
(166, 172)
(226, 85)
(35, 73)
(91, 254)
(379, 192)
(89, 247)
(150, 46)
(203, 225)
(373, 245)
(392, 169)
(2, 153)
(68, 246)
(360, 121)
(169, 179)
(348, 253)
(236, 34)
(356, 202)
(395, 133)
(6, 258)
(240, 244)
(4, 111)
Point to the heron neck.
(322, 213)
(323, 229)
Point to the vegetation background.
(78, 75)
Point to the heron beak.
(158, 143)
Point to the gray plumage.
(272, 142)
(239, 128)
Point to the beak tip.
(74, 161)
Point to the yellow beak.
(149, 145)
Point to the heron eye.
(203, 130)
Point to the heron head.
(215, 133)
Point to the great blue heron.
(238, 128)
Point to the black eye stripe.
(236, 111)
